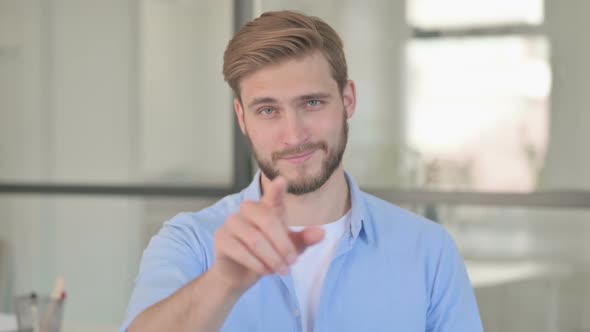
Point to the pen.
(57, 297)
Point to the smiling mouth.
(296, 159)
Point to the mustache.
(299, 149)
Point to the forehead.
(289, 79)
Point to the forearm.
(202, 305)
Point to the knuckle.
(274, 261)
(286, 249)
(258, 268)
(219, 234)
(231, 219)
(266, 221)
(241, 257)
(233, 224)
(255, 266)
(269, 220)
(222, 239)
(247, 206)
(254, 240)
(277, 266)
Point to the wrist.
(224, 284)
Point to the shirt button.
(297, 312)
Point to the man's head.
(293, 96)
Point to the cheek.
(263, 142)
(329, 130)
(265, 135)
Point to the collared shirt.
(393, 271)
(310, 269)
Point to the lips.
(300, 157)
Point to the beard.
(306, 183)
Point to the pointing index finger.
(275, 193)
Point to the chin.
(300, 172)
(302, 177)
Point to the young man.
(302, 248)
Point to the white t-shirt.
(311, 267)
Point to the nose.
(295, 130)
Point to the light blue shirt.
(393, 271)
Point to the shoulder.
(419, 240)
(395, 225)
(207, 220)
(193, 232)
(186, 240)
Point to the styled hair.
(278, 36)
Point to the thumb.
(306, 238)
(274, 194)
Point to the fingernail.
(291, 258)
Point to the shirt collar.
(360, 218)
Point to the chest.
(361, 292)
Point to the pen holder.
(38, 313)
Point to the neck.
(327, 204)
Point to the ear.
(349, 98)
(240, 114)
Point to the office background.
(114, 117)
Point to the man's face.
(295, 120)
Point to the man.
(302, 248)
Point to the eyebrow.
(262, 100)
(319, 95)
(269, 100)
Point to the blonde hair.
(277, 36)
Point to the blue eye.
(266, 111)
(313, 103)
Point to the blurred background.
(114, 116)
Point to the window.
(429, 14)
(477, 97)
(478, 112)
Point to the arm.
(201, 305)
(251, 243)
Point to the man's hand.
(252, 243)
(256, 241)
